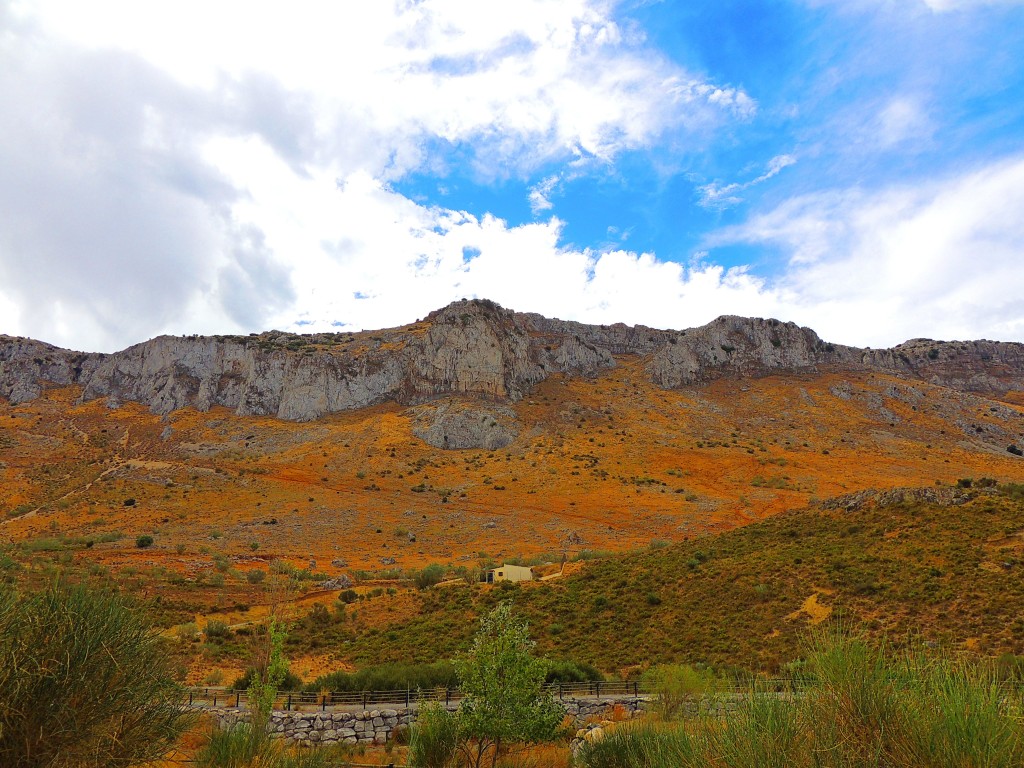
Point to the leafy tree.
(271, 670)
(502, 682)
(84, 682)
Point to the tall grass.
(641, 745)
(864, 707)
(435, 738)
(242, 746)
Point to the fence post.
(323, 704)
(447, 696)
(364, 699)
(407, 697)
(288, 706)
(215, 699)
(190, 698)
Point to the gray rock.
(458, 425)
(471, 349)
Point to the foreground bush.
(241, 746)
(83, 682)
(434, 740)
(862, 708)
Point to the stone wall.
(377, 726)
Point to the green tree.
(503, 686)
(84, 682)
(271, 670)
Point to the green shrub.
(216, 630)
(640, 745)
(389, 677)
(290, 682)
(144, 541)
(429, 576)
(675, 684)
(83, 682)
(862, 707)
(571, 672)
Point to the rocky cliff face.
(471, 348)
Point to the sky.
(856, 166)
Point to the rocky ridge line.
(473, 348)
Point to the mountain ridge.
(472, 348)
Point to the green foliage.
(270, 671)
(640, 744)
(242, 746)
(429, 576)
(291, 682)
(83, 682)
(144, 541)
(571, 672)
(502, 684)
(216, 631)
(864, 706)
(435, 737)
(389, 677)
(674, 685)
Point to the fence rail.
(304, 701)
(367, 700)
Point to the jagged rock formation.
(471, 348)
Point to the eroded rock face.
(472, 349)
(741, 346)
(458, 425)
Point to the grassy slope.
(951, 573)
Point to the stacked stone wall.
(377, 726)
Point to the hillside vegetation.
(943, 565)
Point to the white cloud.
(942, 259)
(540, 194)
(942, 6)
(172, 168)
(529, 80)
(717, 195)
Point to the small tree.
(676, 684)
(271, 670)
(503, 686)
(84, 681)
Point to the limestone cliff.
(471, 348)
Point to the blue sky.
(823, 78)
(852, 165)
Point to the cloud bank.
(230, 168)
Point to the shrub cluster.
(861, 707)
(389, 677)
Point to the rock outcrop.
(456, 426)
(473, 349)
